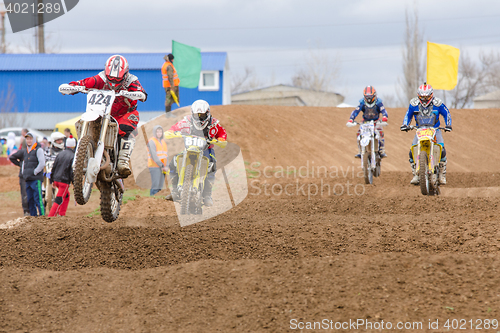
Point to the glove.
(405, 128)
(349, 123)
(170, 134)
(74, 84)
(221, 144)
(448, 129)
(384, 119)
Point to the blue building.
(31, 83)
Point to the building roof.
(215, 61)
(492, 96)
(283, 94)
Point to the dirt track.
(386, 254)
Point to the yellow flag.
(442, 66)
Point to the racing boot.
(381, 148)
(207, 194)
(174, 193)
(442, 173)
(358, 155)
(415, 180)
(127, 144)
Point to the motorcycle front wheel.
(423, 173)
(82, 187)
(186, 190)
(367, 168)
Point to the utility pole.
(3, 47)
(40, 31)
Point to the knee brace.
(58, 200)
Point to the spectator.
(62, 176)
(57, 146)
(11, 143)
(32, 169)
(45, 144)
(17, 159)
(170, 82)
(157, 161)
(67, 134)
(22, 144)
(3, 147)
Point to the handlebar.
(412, 127)
(177, 134)
(67, 89)
(377, 123)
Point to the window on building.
(209, 80)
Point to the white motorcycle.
(96, 155)
(48, 191)
(368, 140)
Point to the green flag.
(187, 62)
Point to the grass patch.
(96, 212)
(12, 195)
(131, 195)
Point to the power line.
(276, 27)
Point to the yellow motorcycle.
(427, 154)
(192, 167)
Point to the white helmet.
(57, 136)
(200, 114)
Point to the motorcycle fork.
(83, 132)
(196, 178)
(182, 170)
(373, 161)
(363, 151)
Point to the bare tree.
(391, 101)
(9, 115)
(474, 79)
(246, 81)
(413, 63)
(319, 73)
(51, 45)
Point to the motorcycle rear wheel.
(82, 187)
(423, 173)
(367, 168)
(434, 183)
(110, 203)
(186, 190)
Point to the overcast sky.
(275, 37)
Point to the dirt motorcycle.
(192, 167)
(49, 192)
(96, 155)
(427, 154)
(368, 140)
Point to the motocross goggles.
(202, 116)
(370, 98)
(425, 99)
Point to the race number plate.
(426, 133)
(98, 101)
(194, 141)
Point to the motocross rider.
(426, 110)
(56, 147)
(116, 77)
(372, 107)
(199, 123)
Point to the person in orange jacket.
(157, 160)
(170, 81)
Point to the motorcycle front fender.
(91, 115)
